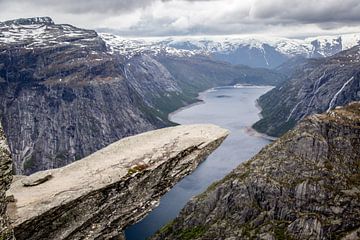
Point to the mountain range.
(254, 51)
(64, 92)
(87, 90)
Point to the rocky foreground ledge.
(306, 185)
(96, 197)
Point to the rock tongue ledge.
(101, 194)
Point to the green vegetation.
(183, 234)
(191, 233)
(137, 168)
(167, 227)
(279, 229)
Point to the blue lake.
(233, 108)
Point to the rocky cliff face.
(303, 186)
(62, 96)
(6, 178)
(315, 86)
(98, 196)
(65, 93)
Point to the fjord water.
(233, 108)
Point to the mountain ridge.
(64, 94)
(260, 51)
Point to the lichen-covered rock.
(5, 180)
(98, 196)
(306, 185)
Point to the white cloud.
(191, 17)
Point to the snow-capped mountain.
(257, 51)
(254, 51)
(65, 93)
(38, 32)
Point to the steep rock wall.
(303, 186)
(5, 180)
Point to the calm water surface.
(232, 108)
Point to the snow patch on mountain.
(188, 46)
(41, 32)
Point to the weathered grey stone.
(355, 235)
(303, 186)
(5, 180)
(98, 196)
(37, 179)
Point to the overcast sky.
(288, 18)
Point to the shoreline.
(263, 135)
(240, 133)
(200, 100)
(251, 131)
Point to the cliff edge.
(98, 196)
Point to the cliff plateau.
(98, 196)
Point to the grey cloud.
(187, 17)
(310, 11)
(86, 6)
(93, 6)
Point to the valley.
(232, 108)
(83, 96)
(228, 137)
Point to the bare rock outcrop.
(306, 185)
(98, 196)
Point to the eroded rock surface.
(306, 185)
(5, 180)
(96, 197)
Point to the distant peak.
(30, 21)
